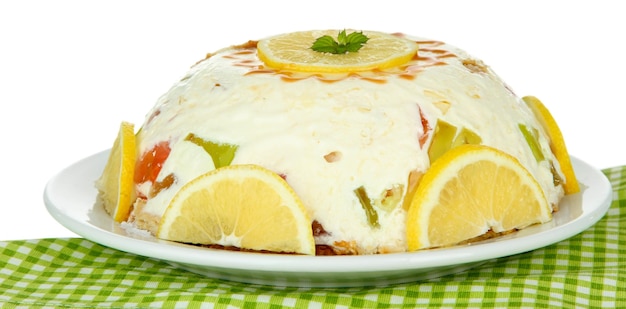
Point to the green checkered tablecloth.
(587, 270)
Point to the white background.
(70, 71)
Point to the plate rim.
(249, 261)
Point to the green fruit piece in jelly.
(443, 136)
(366, 203)
(531, 139)
(467, 136)
(222, 154)
(390, 198)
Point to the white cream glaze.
(288, 122)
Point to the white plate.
(70, 197)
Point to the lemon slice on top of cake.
(356, 51)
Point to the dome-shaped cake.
(336, 137)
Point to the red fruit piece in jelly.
(150, 163)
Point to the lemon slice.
(557, 142)
(244, 206)
(469, 191)
(292, 51)
(115, 185)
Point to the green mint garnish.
(344, 44)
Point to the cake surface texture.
(334, 137)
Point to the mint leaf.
(346, 43)
(325, 44)
(355, 41)
(341, 37)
